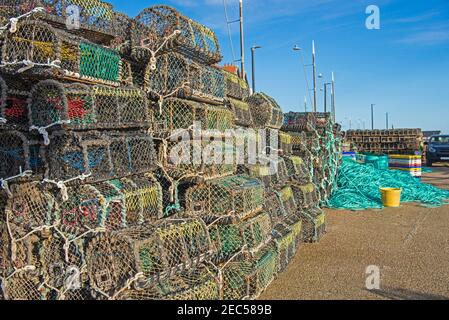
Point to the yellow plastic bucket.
(391, 197)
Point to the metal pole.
(325, 98)
(242, 42)
(388, 120)
(372, 116)
(314, 76)
(253, 49)
(305, 104)
(333, 98)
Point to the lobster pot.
(230, 234)
(299, 122)
(236, 87)
(178, 114)
(242, 112)
(176, 75)
(258, 171)
(71, 58)
(409, 164)
(19, 153)
(285, 143)
(285, 245)
(273, 206)
(132, 153)
(156, 24)
(111, 261)
(248, 277)
(13, 102)
(279, 172)
(314, 225)
(307, 121)
(17, 255)
(265, 111)
(30, 207)
(91, 207)
(191, 285)
(95, 16)
(72, 154)
(143, 198)
(294, 222)
(288, 200)
(88, 107)
(58, 261)
(297, 169)
(24, 285)
(298, 142)
(194, 158)
(241, 196)
(306, 196)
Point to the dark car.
(437, 149)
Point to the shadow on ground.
(404, 294)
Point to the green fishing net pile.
(359, 188)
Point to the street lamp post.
(372, 116)
(253, 50)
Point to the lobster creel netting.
(104, 157)
(197, 159)
(13, 102)
(193, 285)
(22, 285)
(241, 196)
(297, 169)
(88, 107)
(155, 27)
(258, 171)
(147, 255)
(143, 198)
(231, 235)
(265, 111)
(314, 224)
(176, 75)
(38, 49)
(248, 276)
(242, 112)
(180, 114)
(111, 205)
(285, 143)
(20, 153)
(59, 261)
(236, 87)
(95, 16)
(285, 244)
(306, 195)
(299, 122)
(279, 172)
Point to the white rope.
(154, 53)
(12, 24)
(62, 184)
(28, 64)
(43, 130)
(4, 183)
(163, 97)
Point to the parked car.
(437, 149)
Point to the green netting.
(99, 62)
(359, 188)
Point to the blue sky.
(403, 68)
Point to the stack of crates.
(409, 164)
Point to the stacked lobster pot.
(316, 144)
(77, 153)
(173, 60)
(273, 168)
